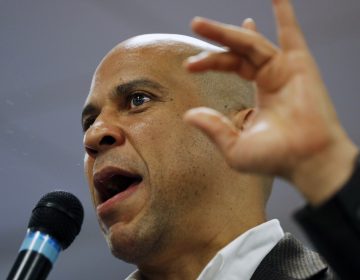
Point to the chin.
(134, 245)
(125, 244)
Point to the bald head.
(133, 123)
(226, 92)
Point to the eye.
(88, 122)
(138, 99)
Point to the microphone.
(55, 222)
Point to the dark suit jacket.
(290, 260)
(334, 228)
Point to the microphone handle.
(36, 257)
(30, 265)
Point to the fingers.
(242, 41)
(289, 32)
(224, 61)
(216, 126)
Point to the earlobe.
(243, 118)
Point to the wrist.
(322, 175)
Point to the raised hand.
(295, 132)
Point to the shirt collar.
(240, 258)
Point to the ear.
(242, 119)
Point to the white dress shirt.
(239, 259)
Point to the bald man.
(162, 190)
(165, 196)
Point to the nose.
(102, 136)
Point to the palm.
(288, 123)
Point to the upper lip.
(109, 180)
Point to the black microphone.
(55, 222)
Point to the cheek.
(88, 167)
(173, 151)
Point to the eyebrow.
(119, 91)
(126, 88)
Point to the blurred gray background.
(48, 52)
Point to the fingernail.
(195, 58)
(199, 112)
(197, 18)
(191, 113)
(191, 59)
(249, 20)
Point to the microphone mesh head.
(59, 214)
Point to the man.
(165, 197)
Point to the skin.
(191, 203)
(295, 132)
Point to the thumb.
(216, 126)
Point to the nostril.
(90, 151)
(107, 140)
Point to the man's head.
(159, 185)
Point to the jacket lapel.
(290, 260)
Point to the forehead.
(152, 62)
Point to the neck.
(195, 240)
(187, 258)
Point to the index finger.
(242, 41)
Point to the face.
(150, 175)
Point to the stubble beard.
(159, 230)
(144, 241)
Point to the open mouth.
(111, 182)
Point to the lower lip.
(109, 204)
